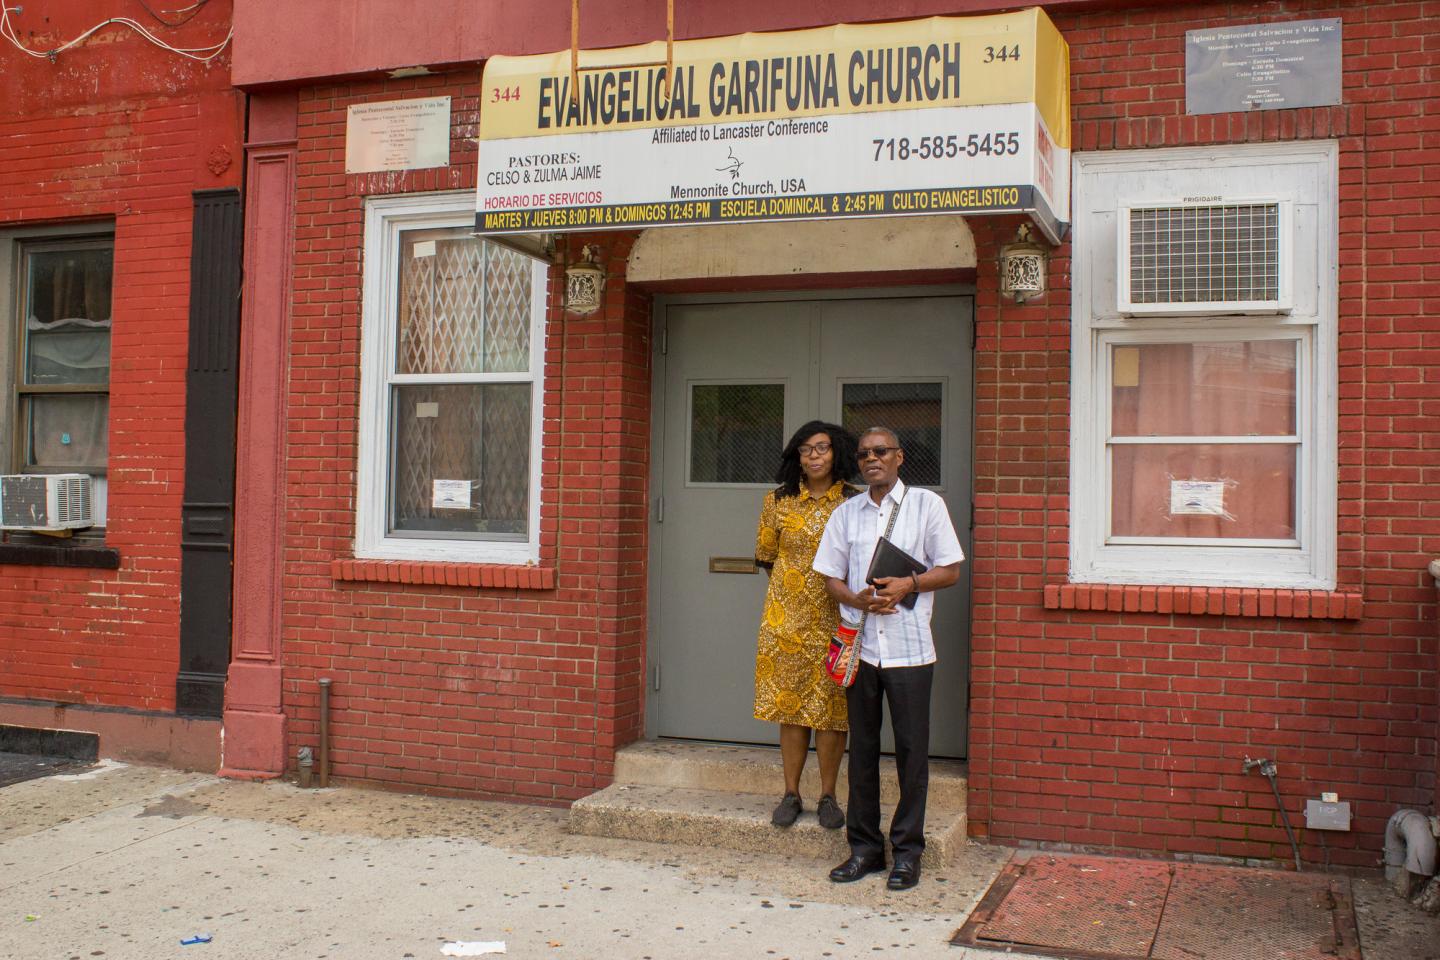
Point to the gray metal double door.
(733, 381)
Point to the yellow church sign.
(941, 115)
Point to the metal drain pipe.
(1409, 847)
(1267, 767)
(324, 733)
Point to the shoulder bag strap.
(889, 529)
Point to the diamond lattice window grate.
(465, 309)
(1219, 254)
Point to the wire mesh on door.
(737, 431)
(912, 410)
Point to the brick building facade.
(1120, 715)
(103, 147)
(1104, 710)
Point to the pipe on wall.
(1410, 850)
(324, 733)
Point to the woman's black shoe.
(787, 811)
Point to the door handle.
(733, 565)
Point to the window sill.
(445, 574)
(97, 557)
(1210, 601)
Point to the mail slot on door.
(733, 565)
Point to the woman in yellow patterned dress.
(792, 687)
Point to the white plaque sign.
(397, 135)
(1263, 66)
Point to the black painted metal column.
(207, 513)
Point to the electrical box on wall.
(1327, 813)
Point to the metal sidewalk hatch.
(1104, 908)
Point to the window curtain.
(1204, 389)
(79, 284)
(69, 431)
(67, 331)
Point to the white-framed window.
(57, 286)
(1203, 446)
(451, 370)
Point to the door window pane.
(1239, 388)
(737, 432)
(912, 410)
(460, 460)
(1229, 490)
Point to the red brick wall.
(1128, 729)
(116, 132)
(462, 689)
(1106, 729)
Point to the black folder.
(889, 560)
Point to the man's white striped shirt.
(923, 530)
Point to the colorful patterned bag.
(842, 660)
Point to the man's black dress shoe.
(855, 868)
(905, 875)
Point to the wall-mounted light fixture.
(584, 283)
(1022, 267)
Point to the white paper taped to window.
(1204, 498)
(450, 495)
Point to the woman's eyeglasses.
(806, 449)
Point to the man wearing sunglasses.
(897, 651)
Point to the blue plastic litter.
(198, 938)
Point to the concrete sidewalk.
(124, 862)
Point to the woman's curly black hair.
(842, 445)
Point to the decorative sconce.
(1022, 267)
(584, 283)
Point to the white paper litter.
(472, 948)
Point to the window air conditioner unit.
(1212, 257)
(56, 501)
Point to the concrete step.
(738, 821)
(757, 770)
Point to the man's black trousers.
(907, 691)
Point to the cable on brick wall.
(189, 13)
(202, 54)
